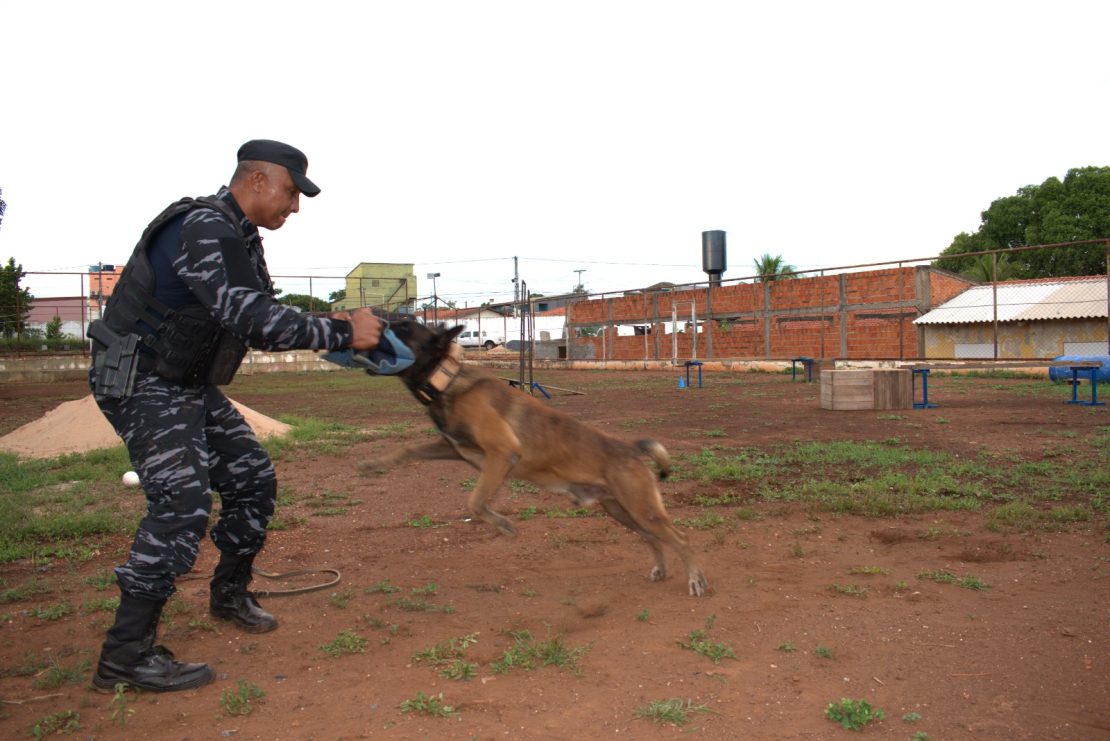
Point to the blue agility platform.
(807, 364)
(689, 364)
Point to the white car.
(474, 338)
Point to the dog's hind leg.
(641, 501)
(621, 515)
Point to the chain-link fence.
(909, 309)
(58, 322)
(972, 306)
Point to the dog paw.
(505, 527)
(658, 573)
(698, 586)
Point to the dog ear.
(451, 334)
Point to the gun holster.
(116, 358)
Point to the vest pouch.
(226, 357)
(185, 345)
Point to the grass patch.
(58, 507)
(314, 437)
(701, 522)
(347, 642)
(946, 577)
(57, 675)
(63, 722)
(849, 590)
(447, 657)
(673, 711)
(426, 705)
(527, 654)
(699, 643)
(242, 700)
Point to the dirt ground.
(1027, 658)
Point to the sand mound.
(78, 427)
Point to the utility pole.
(435, 298)
(516, 286)
(580, 287)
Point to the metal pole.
(901, 322)
(694, 327)
(994, 300)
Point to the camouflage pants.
(184, 442)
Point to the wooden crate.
(878, 388)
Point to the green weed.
(700, 644)
(57, 675)
(243, 699)
(424, 705)
(701, 522)
(342, 598)
(56, 611)
(527, 654)
(447, 657)
(66, 721)
(420, 605)
(347, 642)
(852, 714)
(850, 590)
(383, 587)
(673, 711)
(121, 710)
(946, 577)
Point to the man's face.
(277, 197)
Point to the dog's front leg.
(493, 473)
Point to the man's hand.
(366, 329)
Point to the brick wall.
(866, 315)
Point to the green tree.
(771, 268)
(981, 270)
(54, 328)
(337, 295)
(1072, 210)
(303, 302)
(15, 302)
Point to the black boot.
(129, 655)
(230, 600)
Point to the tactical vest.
(186, 345)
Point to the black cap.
(291, 158)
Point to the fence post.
(994, 301)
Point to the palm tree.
(980, 270)
(772, 268)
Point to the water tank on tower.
(713, 255)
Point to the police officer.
(193, 296)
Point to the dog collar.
(441, 377)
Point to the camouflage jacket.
(228, 276)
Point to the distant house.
(74, 312)
(385, 285)
(501, 328)
(1042, 318)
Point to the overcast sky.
(595, 136)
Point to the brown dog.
(505, 433)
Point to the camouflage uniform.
(186, 440)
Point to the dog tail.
(657, 453)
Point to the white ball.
(130, 479)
